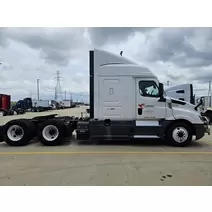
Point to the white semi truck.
(127, 101)
(185, 92)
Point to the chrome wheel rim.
(180, 134)
(15, 133)
(50, 133)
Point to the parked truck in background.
(41, 105)
(206, 108)
(182, 92)
(5, 104)
(66, 103)
(23, 105)
(185, 92)
(6, 108)
(127, 101)
(27, 104)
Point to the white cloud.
(180, 55)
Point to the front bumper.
(201, 129)
(206, 125)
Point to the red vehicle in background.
(5, 104)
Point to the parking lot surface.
(144, 163)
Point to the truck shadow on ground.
(138, 142)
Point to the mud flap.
(1, 133)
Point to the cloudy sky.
(178, 55)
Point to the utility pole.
(81, 98)
(0, 65)
(38, 89)
(55, 93)
(65, 95)
(58, 90)
(70, 96)
(209, 93)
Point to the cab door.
(149, 106)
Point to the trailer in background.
(5, 101)
(5, 104)
(41, 105)
(66, 103)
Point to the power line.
(58, 89)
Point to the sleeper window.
(148, 88)
(180, 91)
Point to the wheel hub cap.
(180, 134)
(15, 133)
(50, 133)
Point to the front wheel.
(3, 112)
(179, 134)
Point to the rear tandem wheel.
(18, 132)
(52, 132)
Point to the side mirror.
(200, 103)
(161, 92)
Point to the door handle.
(139, 111)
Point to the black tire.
(27, 132)
(59, 126)
(4, 112)
(32, 129)
(11, 112)
(181, 129)
(22, 112)
(34, 109)
(39, 109)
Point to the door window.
(148, 88)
